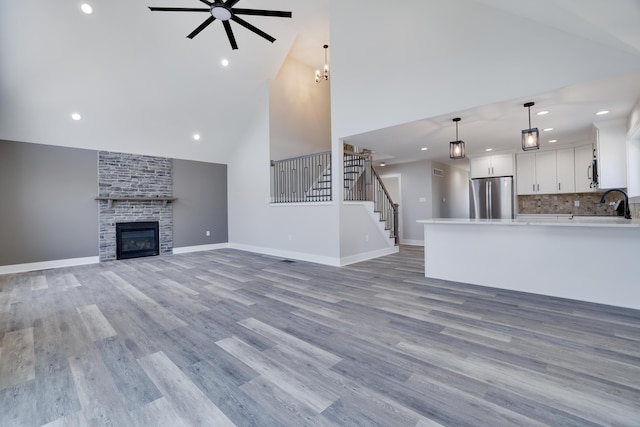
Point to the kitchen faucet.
(627, 212)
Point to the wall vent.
(438, 172)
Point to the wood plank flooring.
(226, 338)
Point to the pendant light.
(325, 73)
(456, 148)
(531, 136)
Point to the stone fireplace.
(133, 189)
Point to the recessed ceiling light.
(86, 8)
(551, 141)
(542, 113)
(76, 116)
(196, 137)
(225, 62)
(383, 164)
(602, 113)
(424, 148)
(488, 149)
(547, 129)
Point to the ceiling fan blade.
(259, 12)
(178, 9)
(208, 3)
(232, 39)
(252, 28)
(231, 3)
(201, 27)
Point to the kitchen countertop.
(545, 220)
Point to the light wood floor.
(226, 338)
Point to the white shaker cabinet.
(610, 140)
(565, 170)
(536, 173)
(526, 174)
(489, 166)
(584, 169)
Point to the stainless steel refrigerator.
(491, 198)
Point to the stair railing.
(357, 176)
(302, 179)
(362, 183)
(388, 210)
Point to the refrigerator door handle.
(489, 210)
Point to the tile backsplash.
(589, 204)
(635, 210)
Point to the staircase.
(362, 183)
(321, 188)
(307, 179)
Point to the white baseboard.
(199, 248)
(412, 242)
(45, 265)
(368, 255)
(301, 256)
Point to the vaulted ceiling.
(137, 80)
(142, 86)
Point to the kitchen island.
(587, 259)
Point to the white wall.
(361, 236)
(301, 231)
(299, 112)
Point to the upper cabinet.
(610, 142)
(584, 173)
(565, 170)
(489, 166)
(545, 172)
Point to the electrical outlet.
(366, 238)
(576, 203)
(208, 233)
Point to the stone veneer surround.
(635, 210)
(132, 175)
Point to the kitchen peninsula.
(588, 259)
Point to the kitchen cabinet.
(490, 166)
(546, 172)
(565, 170)
(611, 151)
(536, 173)
(584, 169)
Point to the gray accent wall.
(201, 189)
(425, 195)
(48, 210)
(47, 206)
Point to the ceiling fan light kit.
(456, 148)
(531, 136)
(221, 12)
(225, 11)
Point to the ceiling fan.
(224, 11)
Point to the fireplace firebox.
(137, 239)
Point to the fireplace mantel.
(112, 199)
